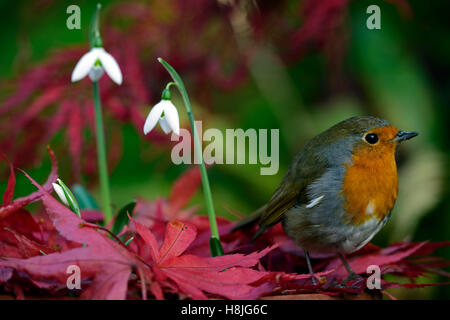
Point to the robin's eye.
(371, 138)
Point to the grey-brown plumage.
(310, 200)
(329, 149)
(339, 189)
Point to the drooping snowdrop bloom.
(166, 114)
(95, 63)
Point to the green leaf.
(122, 218)
(85, 199)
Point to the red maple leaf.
(21, 236)
(9, 206)
(107, 266)
(229, 276)
(184, 188)
(104, 264)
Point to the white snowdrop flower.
(166, 114)
(94, 63)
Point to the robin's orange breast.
(370, 184)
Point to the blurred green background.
(400, 73)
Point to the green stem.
(216, 248)
(101, 155)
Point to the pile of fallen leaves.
(163, 253)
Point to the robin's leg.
(351, 274)
(311, 272)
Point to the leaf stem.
(101, 155)
(216, 249)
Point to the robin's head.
(373, 136)
(365, 146)
(363, 135)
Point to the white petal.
(84, 65)
(171, 116)
(96, 73)
(164, 125)
(153, 117)
(111, 67)
(59, 191)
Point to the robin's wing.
(306, 168)
(283, 199)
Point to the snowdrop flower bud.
(94, 63)
(60, 192)
(165, 113)
(66, 196)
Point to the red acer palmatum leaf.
(68, 224)
(359, 263)
(9, 192)
(23, 201)
(28, 247)
(200, 246)
(184, 188)
(292, 283)
(22, 222)
(92, 215)
(155, 214)
(429, 247)
(228, 276)
(177, 239)
(105, 263)
(96, 264)
(149, 239)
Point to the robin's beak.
(402, 136)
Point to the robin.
(339, 190)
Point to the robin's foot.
(353, 281)
(336, 284)
(352, 276)
(314, 280)
(358, 283)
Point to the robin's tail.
(251, 219)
